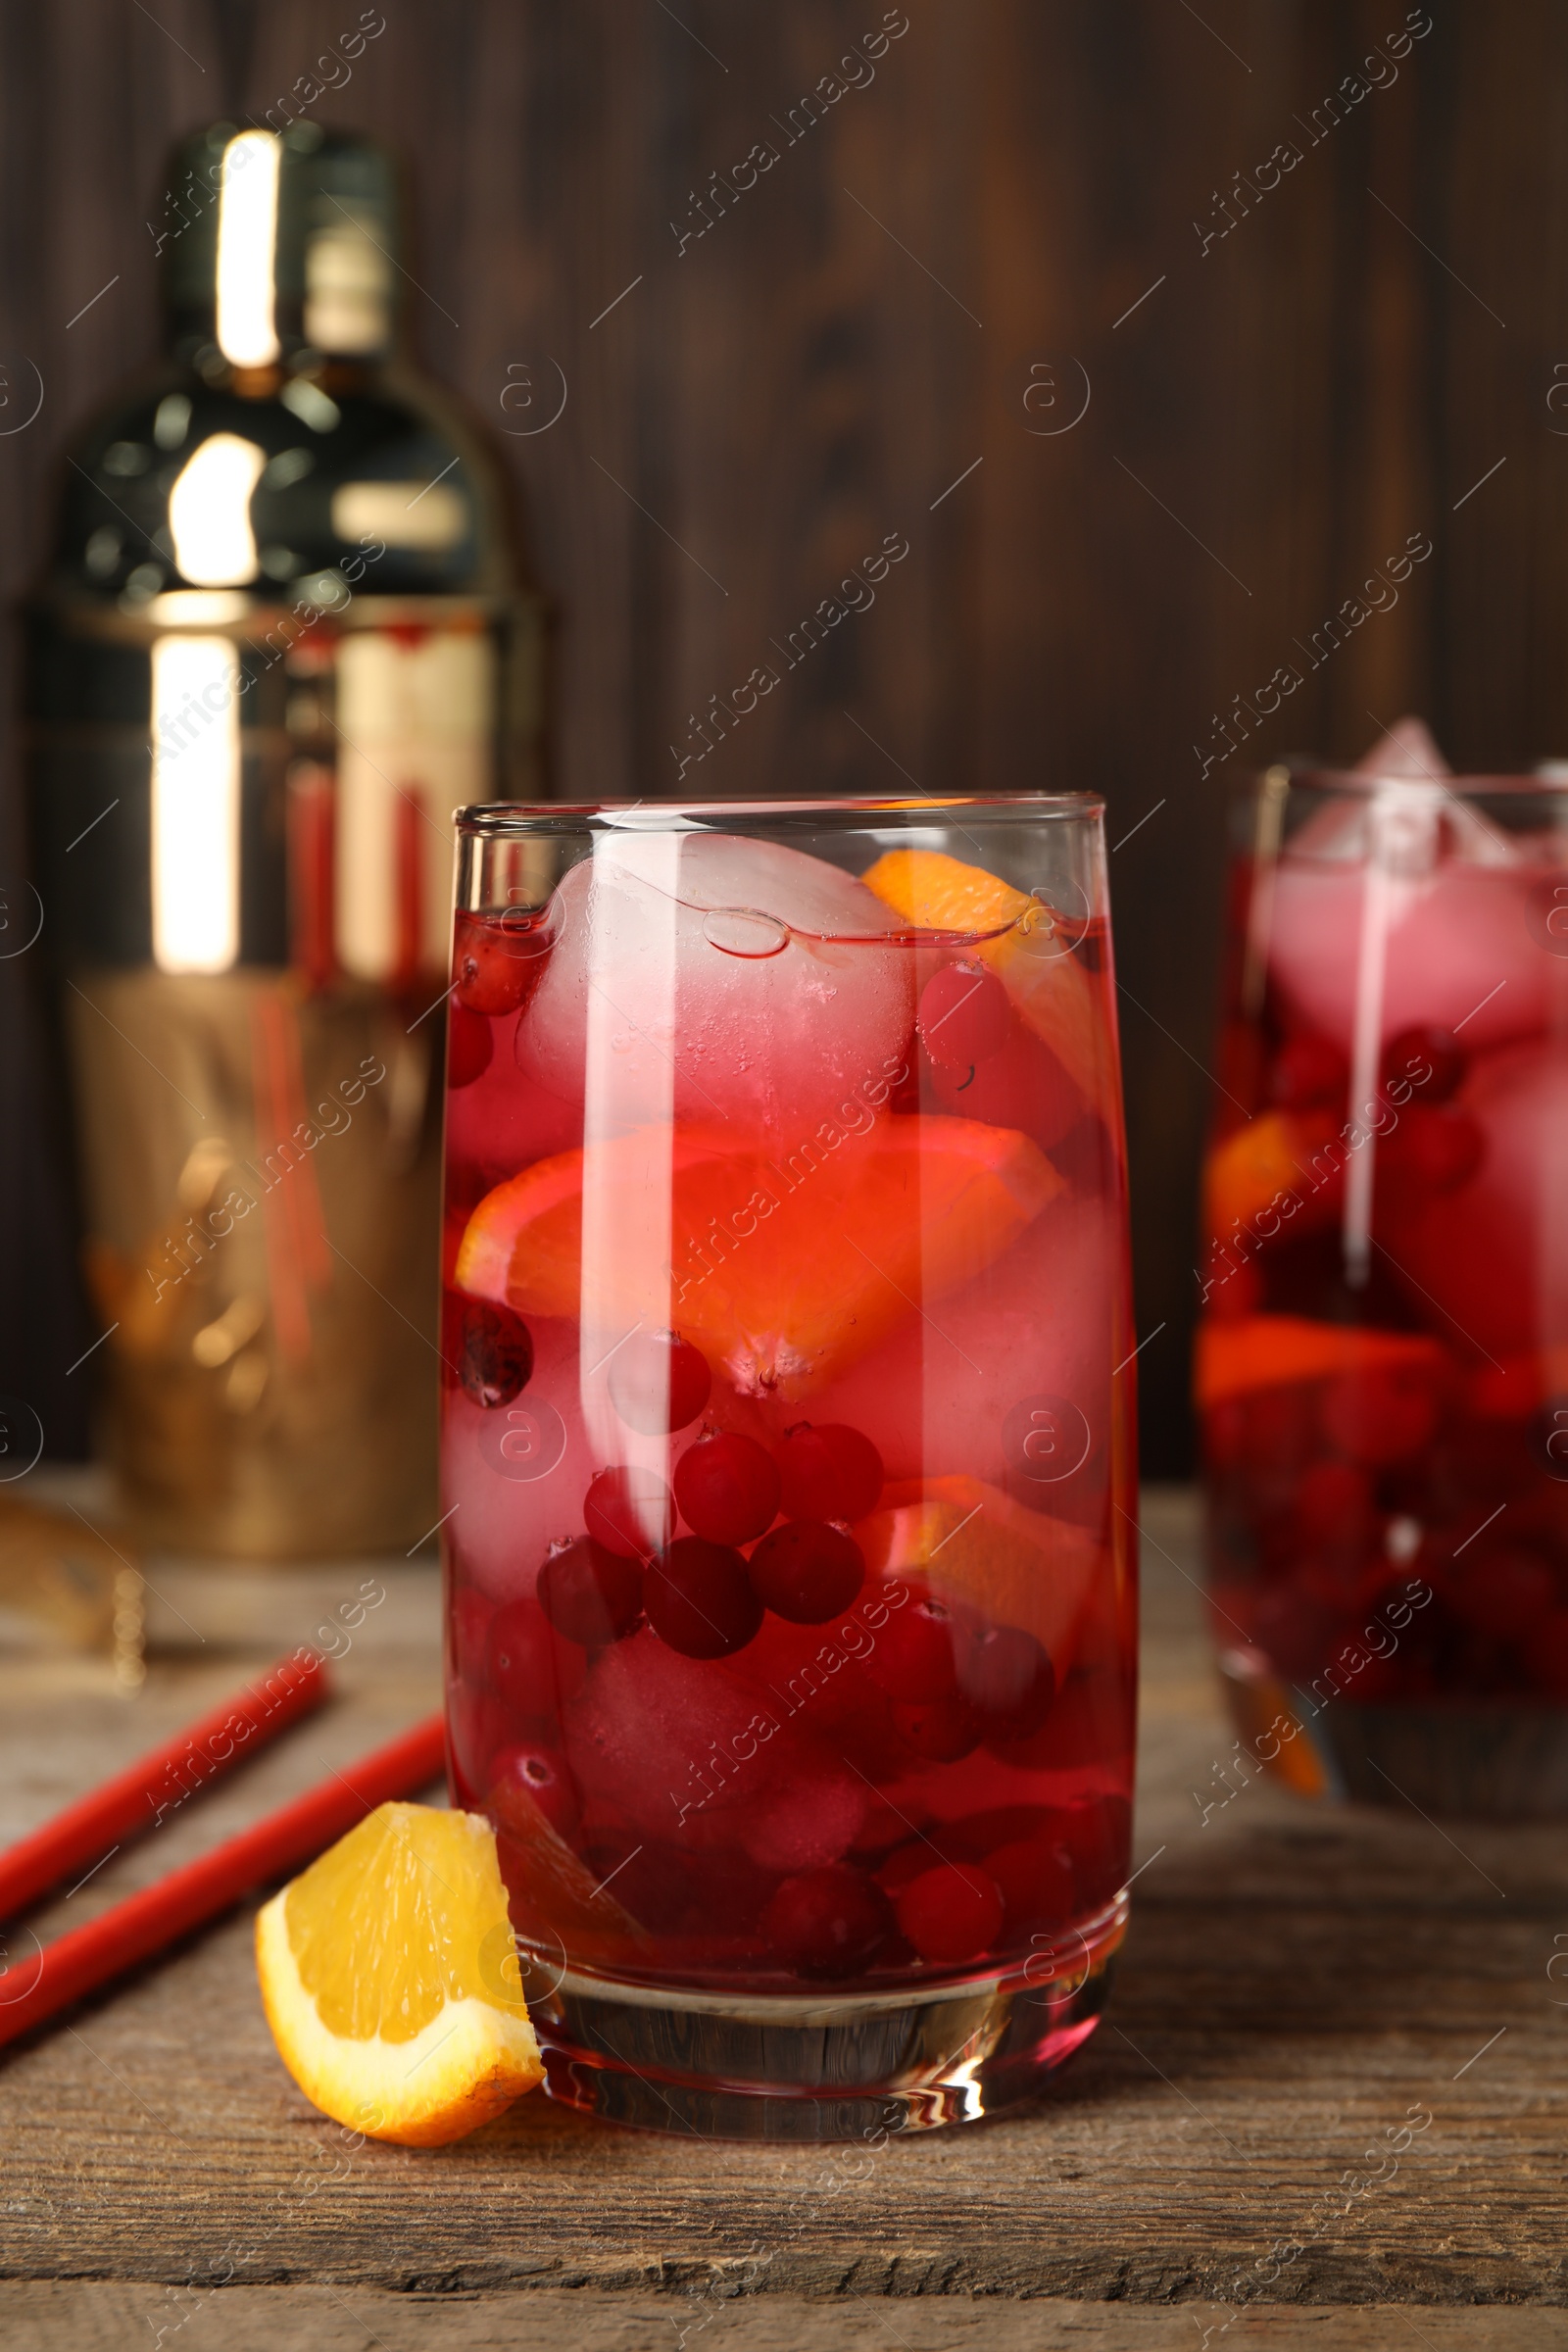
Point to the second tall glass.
(788, 1447)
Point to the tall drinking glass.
(788, 1447)
(1383, 1364)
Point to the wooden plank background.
(1269, 415)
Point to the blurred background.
(1157, 332)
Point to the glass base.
(825, 2067)
(1480, 1759)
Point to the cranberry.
(1281, 1432)
(658, 1382)
(831, 1472)
(727, 1489)
(700, 1600)
(1548, 1659)
(1008, 1680)
(1307, 1071)
(532, 1775)
(468, 1631)
(498, 960)
(589, 1594)
(530, 1666)
(630, 1512)
(1096, 1838)
(496, 1360)
(1431, 1060)
(1035, 1881)
(913, 1659)
(1436, 1151)
(1333, 1503)
(469, 1046)
(477, 1729)
(828, 1921)
(807, 1571)
(964, 1016)
(940, 1730)
(1505, 1595)
(951, 1913)
(1381, 1417)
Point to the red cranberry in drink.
(1504, 1596)
(589, 1594)
(807, 1571)
(912, 1660)
(1095, 1836)
(498, 960)
(964, 1016)
(658, 1382)
(530, 1667)
(1434, 1151)
(1333, 1503)
(829, 1472)
(1382, 1417)
(469, 1621)
(1547, 1655)
(1036, 1884)
(496, 1362)
(533, 1775)
(726, 1487)
(940, 1730)
(1008, 1678)
(469, 1046)
(1431, 1061)
(630, 1512)
(700, 1600)
(829, 1922)
(951, 1913)
(1308, 1072)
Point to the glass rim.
(1541, 783)
(501, 819)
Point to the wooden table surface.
(1296, 1982)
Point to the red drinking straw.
(136, 1799)
(143, 1924)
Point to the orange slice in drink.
(1272, 1351)
(1047, 982)
(973, 1545)
(1278, 1167)
(782, 1271)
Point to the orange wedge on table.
(1023, 945)
(782, 1270)
(389, 1977)
(972, 1543)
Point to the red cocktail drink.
(787, 1444)
(1383, 1367)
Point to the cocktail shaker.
(281, 639)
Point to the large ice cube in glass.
(735, 981)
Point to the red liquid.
(777, 1678)
(1386, 1419)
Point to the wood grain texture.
(1284, 406)
(1294, 1982)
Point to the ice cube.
(934, 1397)
(1493, 1256)
(687, 1751)
(723, 980)
(514, 1476)
(1450, 921)
(1458, 949)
